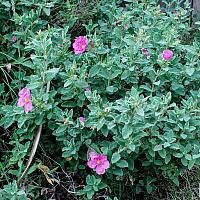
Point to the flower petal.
(24, 92)
(28, 106)
(102, 157)
(106, 164)
(21, 102)
(100, 169)
(92, 164)
(93, 155)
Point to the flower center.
(83, 46)
(98, 162)
(26, 100)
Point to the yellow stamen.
(26, 100)
(98, 162)
(83, 46)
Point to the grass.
(189, 188)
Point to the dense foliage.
(126, 95)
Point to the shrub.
(132, 94)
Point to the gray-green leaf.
(115, 157)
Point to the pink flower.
(25, 99)
(80, 44)
(167, 54)
(24, 92)
(146, 53)
(98, 162)
(14, 38)
(82, 120)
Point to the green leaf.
(68, 83)
(89, 180)
(51, 73)
(188, 157)
(47, 11)
(184, 136)
(9, 121)
(61, 129)
(122, 164)
(104, 130)
(81, 84)
(95, 188)
(102, 50)
(39, 118)
(111, 89)
(167, 158)
(146, 163)
(196, 156)
(190, 71)
(191, 164)
(131, 147)
(166, 144)
(118, 172)
(22, 120)
(158, 162)
(126, 131)
(184, 161)
(175, 146)
(102, 185)
(162, 153)
(6, 4)
(100, 124)
(125, 74)
(34, 85)
(94, 147)
(151, 153)
(149, 188)
(158, 147)
(90, 194)
(176, 181)
(115, 157)
(94, 70)
(140, 112)
(178, 155)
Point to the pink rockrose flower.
(82, 120)
(80, 44)
(98, 162)
(24, 92)
(167, 54)
(14, 38)
(146, 53)
(25, 99)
